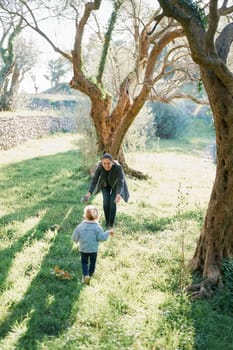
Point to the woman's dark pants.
(109, 205)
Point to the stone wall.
(17, 129)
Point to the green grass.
(136, 299)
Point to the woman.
(110, 179)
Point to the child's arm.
(103, 235)
(75, 235)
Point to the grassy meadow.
(136, 299)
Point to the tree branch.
(107, 40)
(157, 20)
(224, 10)
(77, 50)
(174, 96)
(36, 28)
(224, 41)
(213, 24)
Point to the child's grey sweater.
(88, 234)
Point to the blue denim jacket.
(88, 234)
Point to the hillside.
(59, 98)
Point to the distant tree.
(25, 52)
(36, 87)
(210, 46)
(17, 56)
(10, 30)
(56, 70)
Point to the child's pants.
(88, 261)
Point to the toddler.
(88, 234)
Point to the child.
(88, 234)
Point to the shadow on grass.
(53, 185)
(199, 324)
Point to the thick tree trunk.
(107, 126)
(101, 117)
(216, 239)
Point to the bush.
(169, 121)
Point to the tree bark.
(216, 239)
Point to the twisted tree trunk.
(216, 239)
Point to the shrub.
(169, 120)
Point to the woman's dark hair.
(107, 156)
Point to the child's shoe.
(87, 280)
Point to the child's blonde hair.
(91, 213)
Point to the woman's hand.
(118, 198)
(85, 198)
(111, 233)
